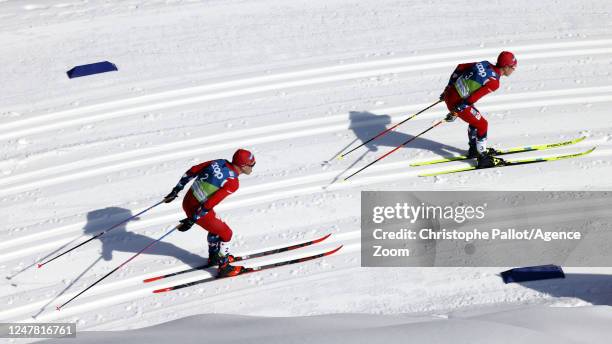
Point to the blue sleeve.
(184, 180)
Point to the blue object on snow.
(93, 68)
(532, 273)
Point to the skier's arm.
(490, 86)
(189, 175)
(228, 188)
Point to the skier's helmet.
(506, 59)
(243, 157)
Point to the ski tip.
(58, 308)
(583, 153)
(152, 279)
(340, 157)
(321, 238)
(39, 265)
(334, 250)
(157, 291)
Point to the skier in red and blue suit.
(468, 83)
(214, 181)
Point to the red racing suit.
(468, 83)
(214, 180)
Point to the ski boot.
(214, 246)
(492, 151)
(473, 143)
(217, 259)
(486, 161)
(225, 269)
(472, 152)
(486, 156)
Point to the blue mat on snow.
(93, 68)
(532, 273)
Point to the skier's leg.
(218, 233)
(217, 229)
(190, 204)
(209, 222)
(478, 126)
(213, 243)
(477, 131)
(223, 258)
(214, 225)
(472, 137)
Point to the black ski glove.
(172, 195)
(450, 117)
(185, 225)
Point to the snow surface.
(295, 82)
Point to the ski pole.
(384, 132)
(117, 268)
(40, 265)
(396, 148)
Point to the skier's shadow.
(120, 240)
(366, 125)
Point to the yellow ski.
(504, 151)
(511, 163)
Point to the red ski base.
(250, 270)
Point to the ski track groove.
(177, 146)
(52, 121)
(266, 134)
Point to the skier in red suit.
(214, 181)
(468, 83)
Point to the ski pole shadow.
(120, 240)
(11, 277)
(366, 125)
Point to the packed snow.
(296, 82)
